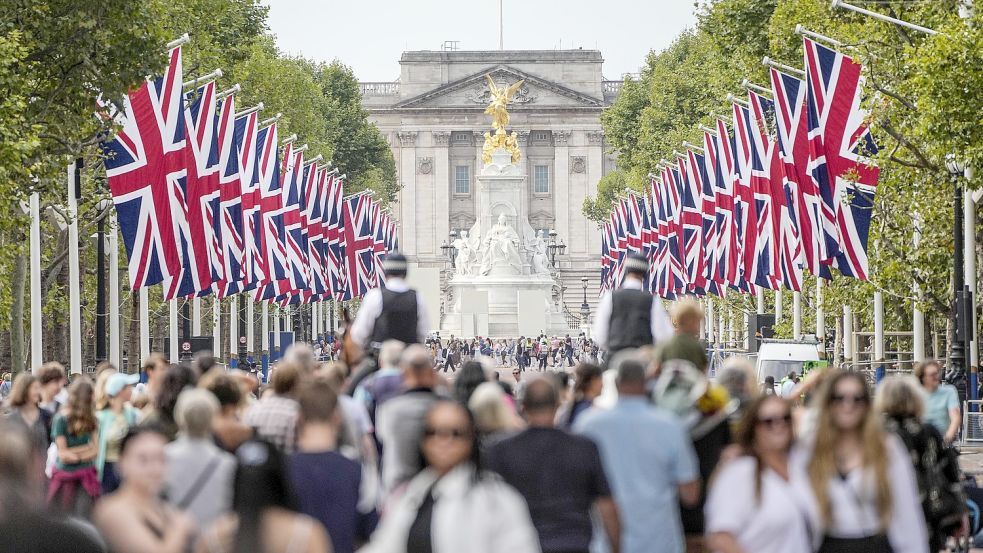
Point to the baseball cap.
(118, 381)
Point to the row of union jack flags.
(779, 185)
(210, 203)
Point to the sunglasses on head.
(771, 422)
(452, 433)
(851, 398)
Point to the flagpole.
(74, 291)
(820, 313)
(233, 333)
(276, 334)
(36, 334)
(782, 67)
(196, 316)
(877, 363)
(710, 321)
(216, 326)
(848, 336)
(174, 352)
(114, 336)
(250, 327)
(315, 323)
(917, 317)
(264, 339)
(882, 17)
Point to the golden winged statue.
(498, 109)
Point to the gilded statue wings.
(504, 94)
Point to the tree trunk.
(17, 358)
(133, 335)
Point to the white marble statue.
(467, 254)
(537, 246)
(500, 248)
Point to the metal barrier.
(972, 422)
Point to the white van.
(778, 358)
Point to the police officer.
(393, 311)
(630, 317)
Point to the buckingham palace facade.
(433, 117)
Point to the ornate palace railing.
(379, 89)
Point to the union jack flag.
(691, 217)
(338, 275)
(315, 231)
(766, 270)
(144, 162)
(728, 208)
(247, 130)
(230, 190)
(801, 193)
(839, 145)
(199, 198)
(744, 202)
(293, 221)
(272, 233)
(702, 172)
(359, 246)
(379, 243)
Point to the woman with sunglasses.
(857, 480)
(453, 504)
(751, 506)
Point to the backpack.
(943, 501)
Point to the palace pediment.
(472, 92)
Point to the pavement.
(971, 460)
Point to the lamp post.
(584, 307)
(448, 249)
(553, 248)
(957, 353)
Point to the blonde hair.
(100, 397)
(487, 403)
(899, 396)
(822, 466)
(684, 308)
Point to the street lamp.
(554, 248)
(584, 307)
(449, 251)
(960, 297)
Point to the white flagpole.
(969, 255)
(878, 328)
(216, 327)
(761, 301)
(250, 327)
(196, 316)
(820, 314)
(848, 334)
(277, 317)
(315, 323)
(233, 330)
(174, 350)
(114, 336)
(74, 292)
(144, 324)
(710, 321)
(36, 334)
(917, 317)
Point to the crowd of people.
(643, 454)
(523, 352)
(647, 455)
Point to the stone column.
(407, 176)
(443, 187)
(561, 183)
(595, 170)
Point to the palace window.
(462, 179)
(541, 137)
(541, 179)
(458, 137)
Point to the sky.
(370, 35)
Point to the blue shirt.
(326, 485)
(646, 455)
(937, 405)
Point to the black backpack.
(936, 471)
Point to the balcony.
(379, 89)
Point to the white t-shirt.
(773, 524)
